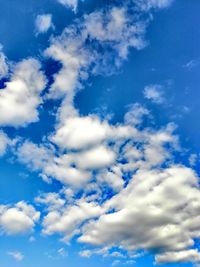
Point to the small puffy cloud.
(69, 3)
(154, 93)
(17, 255)
(18, 219)
(135, 114)
(43, 23)
(193, 159)
(20, 98)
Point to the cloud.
(82, 50)
(154, 93)
(191, 255)
(191, 64)
(3, 64)
(193, 158)
(151, 223)
(106, 169)
(147, 5)
(135, 114)
(17, 255)
(62, 252)
(4, 142)
(69, 3)
(81, 132)
(42, 158)
(20, 98)
(67, 220)
(43, 23)
(19, 219)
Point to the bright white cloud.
(81, 132)
(43, 23)
(67, 220)
(20, 98)
(95, 158)
(18, 219)
(152, 222)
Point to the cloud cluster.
(19, 219)
(121, 186)
(150, 222)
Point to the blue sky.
(99, 133)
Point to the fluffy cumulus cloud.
(152, 223)
(43, 23)
(18, 219)
(80, 132)
(20, 98)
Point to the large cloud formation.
(121, 186)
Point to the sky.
(99, 133)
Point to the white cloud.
(115, 27)
(3, 64)
(81, 132)
(18, 219)
(154, 93)
(151, 222)
(146, 5)
(17, 255)
(4, 142)
(69, 3)
(20, 98)
(43, 23)
(67, 220)
(191, 255)
(95, 158)
(135, 114)
(42, 158)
